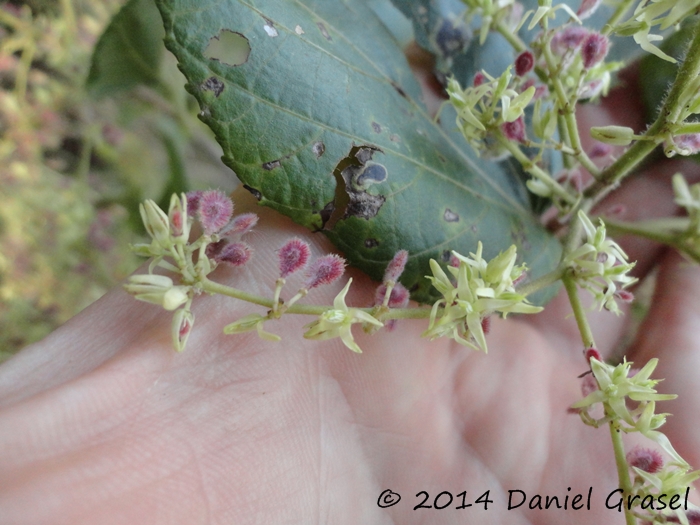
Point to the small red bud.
(486, 324)
(592, 353)
(396, 266)
(215, 210)
(293, 256)
(325, 270)
(235, 254)
(593, 49)
(514, 130)
(568, 38)
(646, 459)
(176, 222)
(479, 78)
(524, 63)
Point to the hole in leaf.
(229, 48)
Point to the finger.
(670, 332)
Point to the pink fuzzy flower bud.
(515, 130)
(569, 38)
(479, 78)
(398, 299)
(600, 150)
(240, 224)
(454, 261)
(593, 49)
(524, 63)
(235, 254)
(215, 210)
(325, 270)
(293, 256)
(590, 353)
(395, 268)
(646, 459)
(587, 8)
(193, 198)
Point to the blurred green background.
(82, 142)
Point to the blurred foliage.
(74, 164)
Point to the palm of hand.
(103, 423)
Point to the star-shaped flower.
(481, 289)
(338, 322)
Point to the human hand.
(103, 423)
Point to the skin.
(102, 423)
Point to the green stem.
(305, 309)
(669, 114)
(579, 312)
(511, 36)
(534, 170)
(616, 16)
(623, 474)
(685, 129)
(541, 282)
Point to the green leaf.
(322, 123)
(129, 52)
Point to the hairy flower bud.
(646, 459)
(593, 49)
(325, 270)
(396, 266)
(235, 254)
(215, 210)
(398, 299)
(193, 198)
(241, 224)
(587, 8)
(293, 256)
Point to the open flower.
(600, 266)
(338, 322)
(482, 288)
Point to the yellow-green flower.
(338, 322)
(481, 289)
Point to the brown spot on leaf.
(394, 138)
(327, 212)
(324, 31)
(376, 127)
(319, 148)
(450, 216)
(446, 256)
(399, 90)
(214, 85)
(269, 166)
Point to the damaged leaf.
(324, 123)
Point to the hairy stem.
(623, 474)
(668, 116)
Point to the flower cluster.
(600, 266)
(481, 289)
(659, 13)
(171, 249)
(491, 111)
(629, 400)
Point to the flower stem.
(668, 116)
(305, 309)
(623, 475)
(579, 313)
(616, 16)
(541, 282)
(511, 36)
